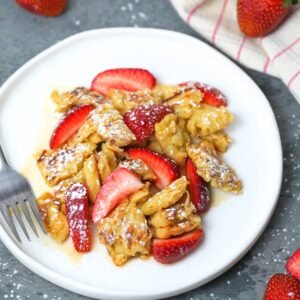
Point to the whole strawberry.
(282, 287)
(49, 8)
(259, 17)
(293, 265)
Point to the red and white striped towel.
(277, 54)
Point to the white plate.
(231, 228)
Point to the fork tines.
(17, 199)
(17, 209)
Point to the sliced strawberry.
(69, 124)
(282, 287)
(211, 95)
(77, 215)
(164, 168)
(128, 79)
(171, 250)
(293, 264)
(142, 119)
(198, 188)
(118, 185)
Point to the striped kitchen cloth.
(277, 54)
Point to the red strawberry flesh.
(198, 188)
(168, 251)
(282, 287)
(211, 96)
(142, 119)
(50, 8)
(257, 18)
(127, 79)
(118, 185)
(77, 215)
(293, 264)
(69, 125)
(164, 168)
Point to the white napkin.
(277, 54)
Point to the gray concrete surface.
(23, 35)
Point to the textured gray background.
(23, 35)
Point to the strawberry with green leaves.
(258, 18)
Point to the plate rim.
(85, 289)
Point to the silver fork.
(16, 197)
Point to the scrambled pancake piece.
(206, 120)
(191, 223)
(107, 160)
(125, 233)
(173, 214)
(60, 189)
(167, 91)
(185, 102)
(124, 101)
(91, 175)
(172, 137)
(175, 220)
(56, 165)
(220, 140)
(75, 97)
(86, 133)
(139, 168)
(110, 126)
(140, 196)
(212, 169)
(53, 217)
(154, 145)
(165, 198)
(104, 124)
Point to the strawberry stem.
(288, 3)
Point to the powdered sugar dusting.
(57, 162)
(76, 191)
(77, 214)
(136, 165)
(212, 169)
(110, 125)
(64, 162)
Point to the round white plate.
(231, 228)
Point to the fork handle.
(3, 162)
